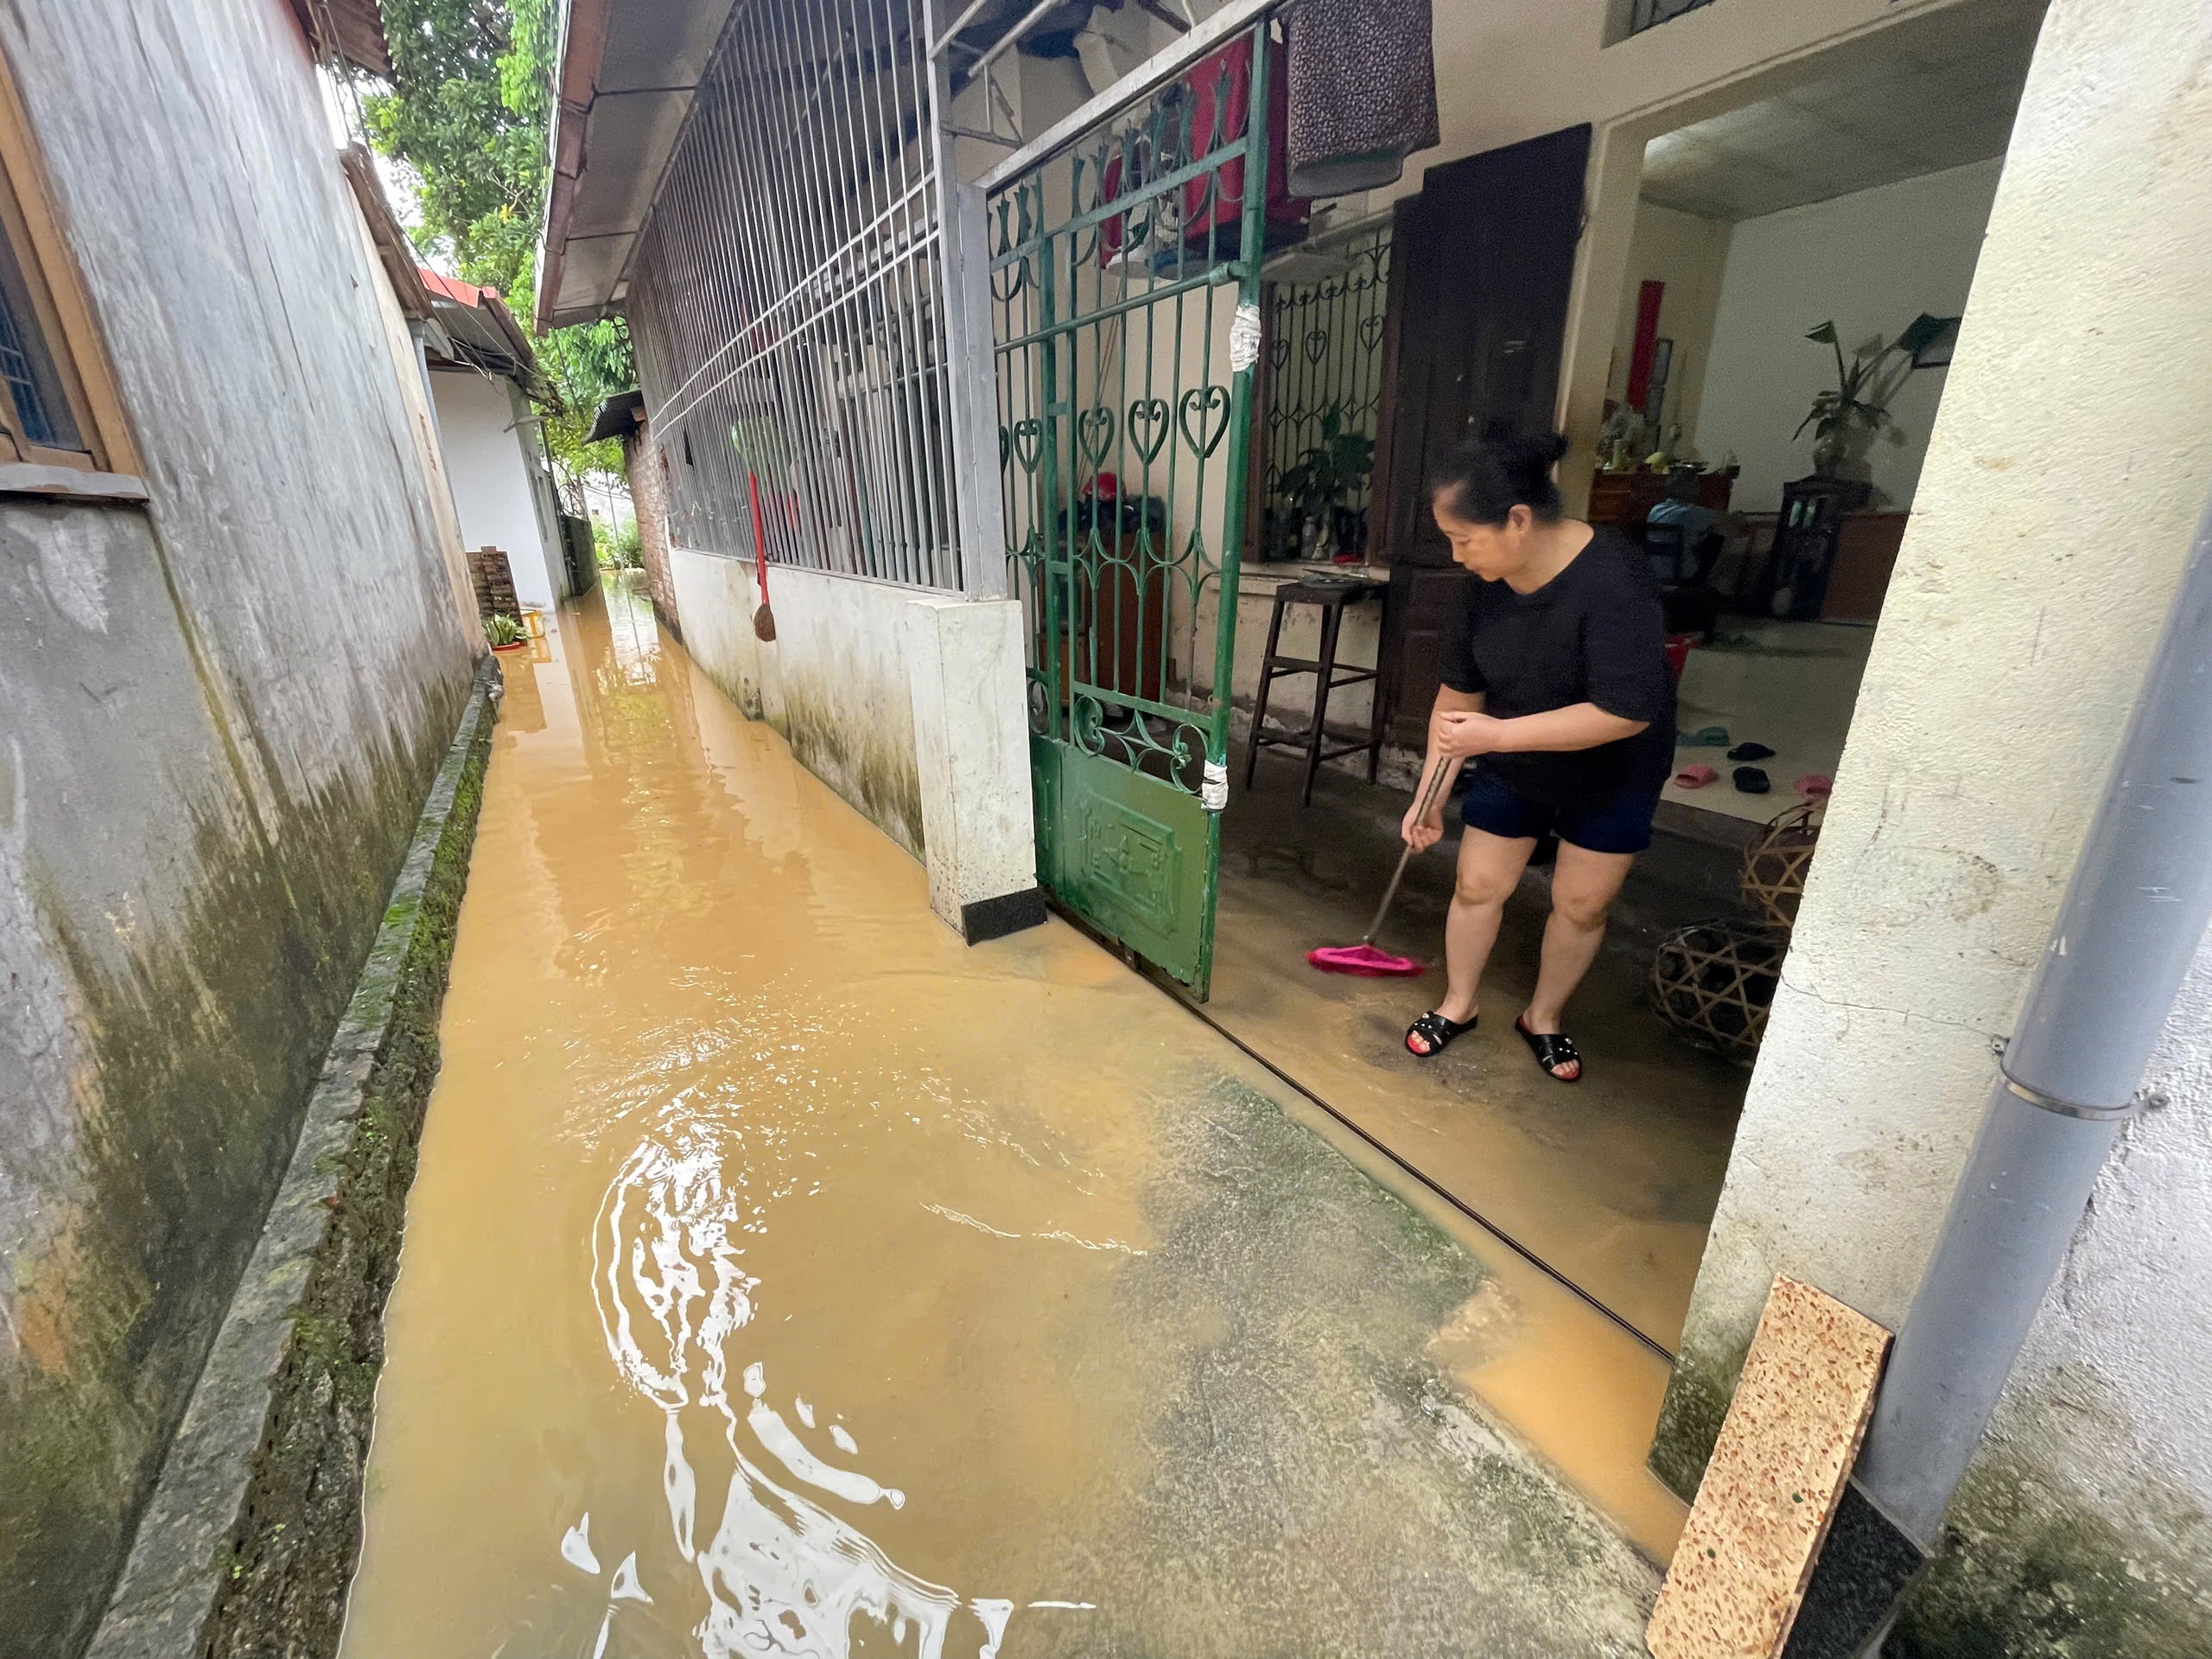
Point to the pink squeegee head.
(1363, 959)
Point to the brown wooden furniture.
(1865, 553)
(1332, 597)
(1624, 501)
(1118, 636)
(1805, 543)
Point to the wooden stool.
(1332, 597)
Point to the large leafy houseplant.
(1859, 408)
(1319, 482)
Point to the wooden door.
(1482, 264)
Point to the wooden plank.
(1792, 1432)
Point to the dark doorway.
(1483, 261)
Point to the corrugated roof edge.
(394, 251)
(582, 48)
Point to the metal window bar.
(1325, 358)
(1650, 13)
(786, 299)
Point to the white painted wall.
(499, 495)
(1512, 69)
(909, 704)
(1689, 254)
(966, 679)
(2070, 460)
(1872, 261)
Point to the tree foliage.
(584, 365)
(467, 117)
(472, 88)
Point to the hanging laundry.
(1200, 115)
(1363, 92)
(1213, 203)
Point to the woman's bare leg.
(1490, 869)
(1584, 885)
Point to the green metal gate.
(1125, 277)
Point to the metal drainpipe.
(2135, 915)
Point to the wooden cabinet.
(1624, 501)
(1865, 553)
(1118, 632)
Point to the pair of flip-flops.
(1555, 1050)
(1753, 780)
(1750, 779)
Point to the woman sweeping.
(1556, 686)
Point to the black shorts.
(1619, 823)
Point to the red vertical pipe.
(1647, 340)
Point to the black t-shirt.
(1593, 634)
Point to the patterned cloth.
(1363, 92)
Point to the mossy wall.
(2030, 1569)
(222, 710)
(292, 1557)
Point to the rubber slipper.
(1752, 781)
(1695, 777)
(1750, 752)
(1815, 786)
(1706, 737)
(1437, 1032)
(1553, 1050)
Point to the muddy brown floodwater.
(784, 1277)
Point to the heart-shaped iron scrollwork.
(1028, 439)
(1148, 426)
(1094, 431)
(1203, 412)
(1371, 332)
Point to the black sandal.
(1437, 1032)
(1553, 1050)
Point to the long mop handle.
(1404, 858)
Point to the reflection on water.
(783, 1574)
(782, 1277)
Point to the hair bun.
(1484, 480)
(1527, 458)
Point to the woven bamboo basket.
(1715, 981)
(1777, 860)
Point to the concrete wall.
(2070, 460)
(223, 711)
(834, 682)
(1689, 255)
(909, 704)
(1872, 261)
(641, 460)
(501, 495)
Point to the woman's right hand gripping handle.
(1423, 829)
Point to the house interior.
(1847, 196)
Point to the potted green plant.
(505, 632)
(1319, 482)
(1845, 420)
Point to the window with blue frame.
(43, 415)
(58, 406)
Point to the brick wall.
(642, 456)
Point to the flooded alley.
(784, 1276)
